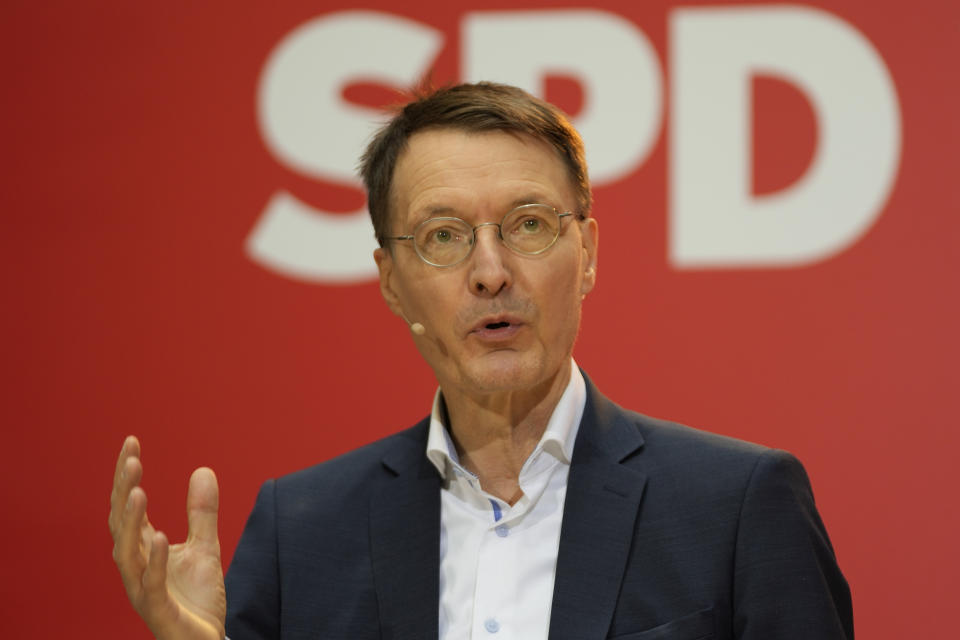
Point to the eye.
(531, 225)
(443, 236)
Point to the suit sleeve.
(252, 581)
(787, 584)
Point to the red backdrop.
(136, 165)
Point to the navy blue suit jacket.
(668, 533)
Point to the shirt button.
(503, 531)
(491, 625)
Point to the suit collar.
(606, 430)
(599, 517)
(405, 541)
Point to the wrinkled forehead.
(450, 169)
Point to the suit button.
(491, 625)
(503, 531)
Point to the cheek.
(433, 301)
(419, 287)
(562, 310)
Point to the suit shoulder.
(617, 430)
(659, 432)
(673, 446)
(707, 473)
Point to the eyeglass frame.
(499, 225)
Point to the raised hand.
(176, 589)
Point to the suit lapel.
(599, 517)
(600, 512)
(405, 544)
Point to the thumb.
(203, 502)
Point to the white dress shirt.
(498, 562)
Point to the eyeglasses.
(530, 229)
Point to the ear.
(589, 237)
(384, 261)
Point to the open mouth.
(497, 327)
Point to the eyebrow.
(439, 209)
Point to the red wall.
(135, 167)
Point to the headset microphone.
(415, 327)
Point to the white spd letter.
(715, 221)
(311, 129)
(612, 59)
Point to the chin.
(506, 371)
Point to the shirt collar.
(557, 439)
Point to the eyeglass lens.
(528, 229)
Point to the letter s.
(310, 129)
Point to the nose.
(489, 272)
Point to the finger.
(154, 578)
(130, 449)
(130, 478)
(154, 600)
(126, 475)
(203, 501)
(127, 548)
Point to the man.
(527, 505)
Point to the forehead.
(469, 174)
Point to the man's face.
(498, 321)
